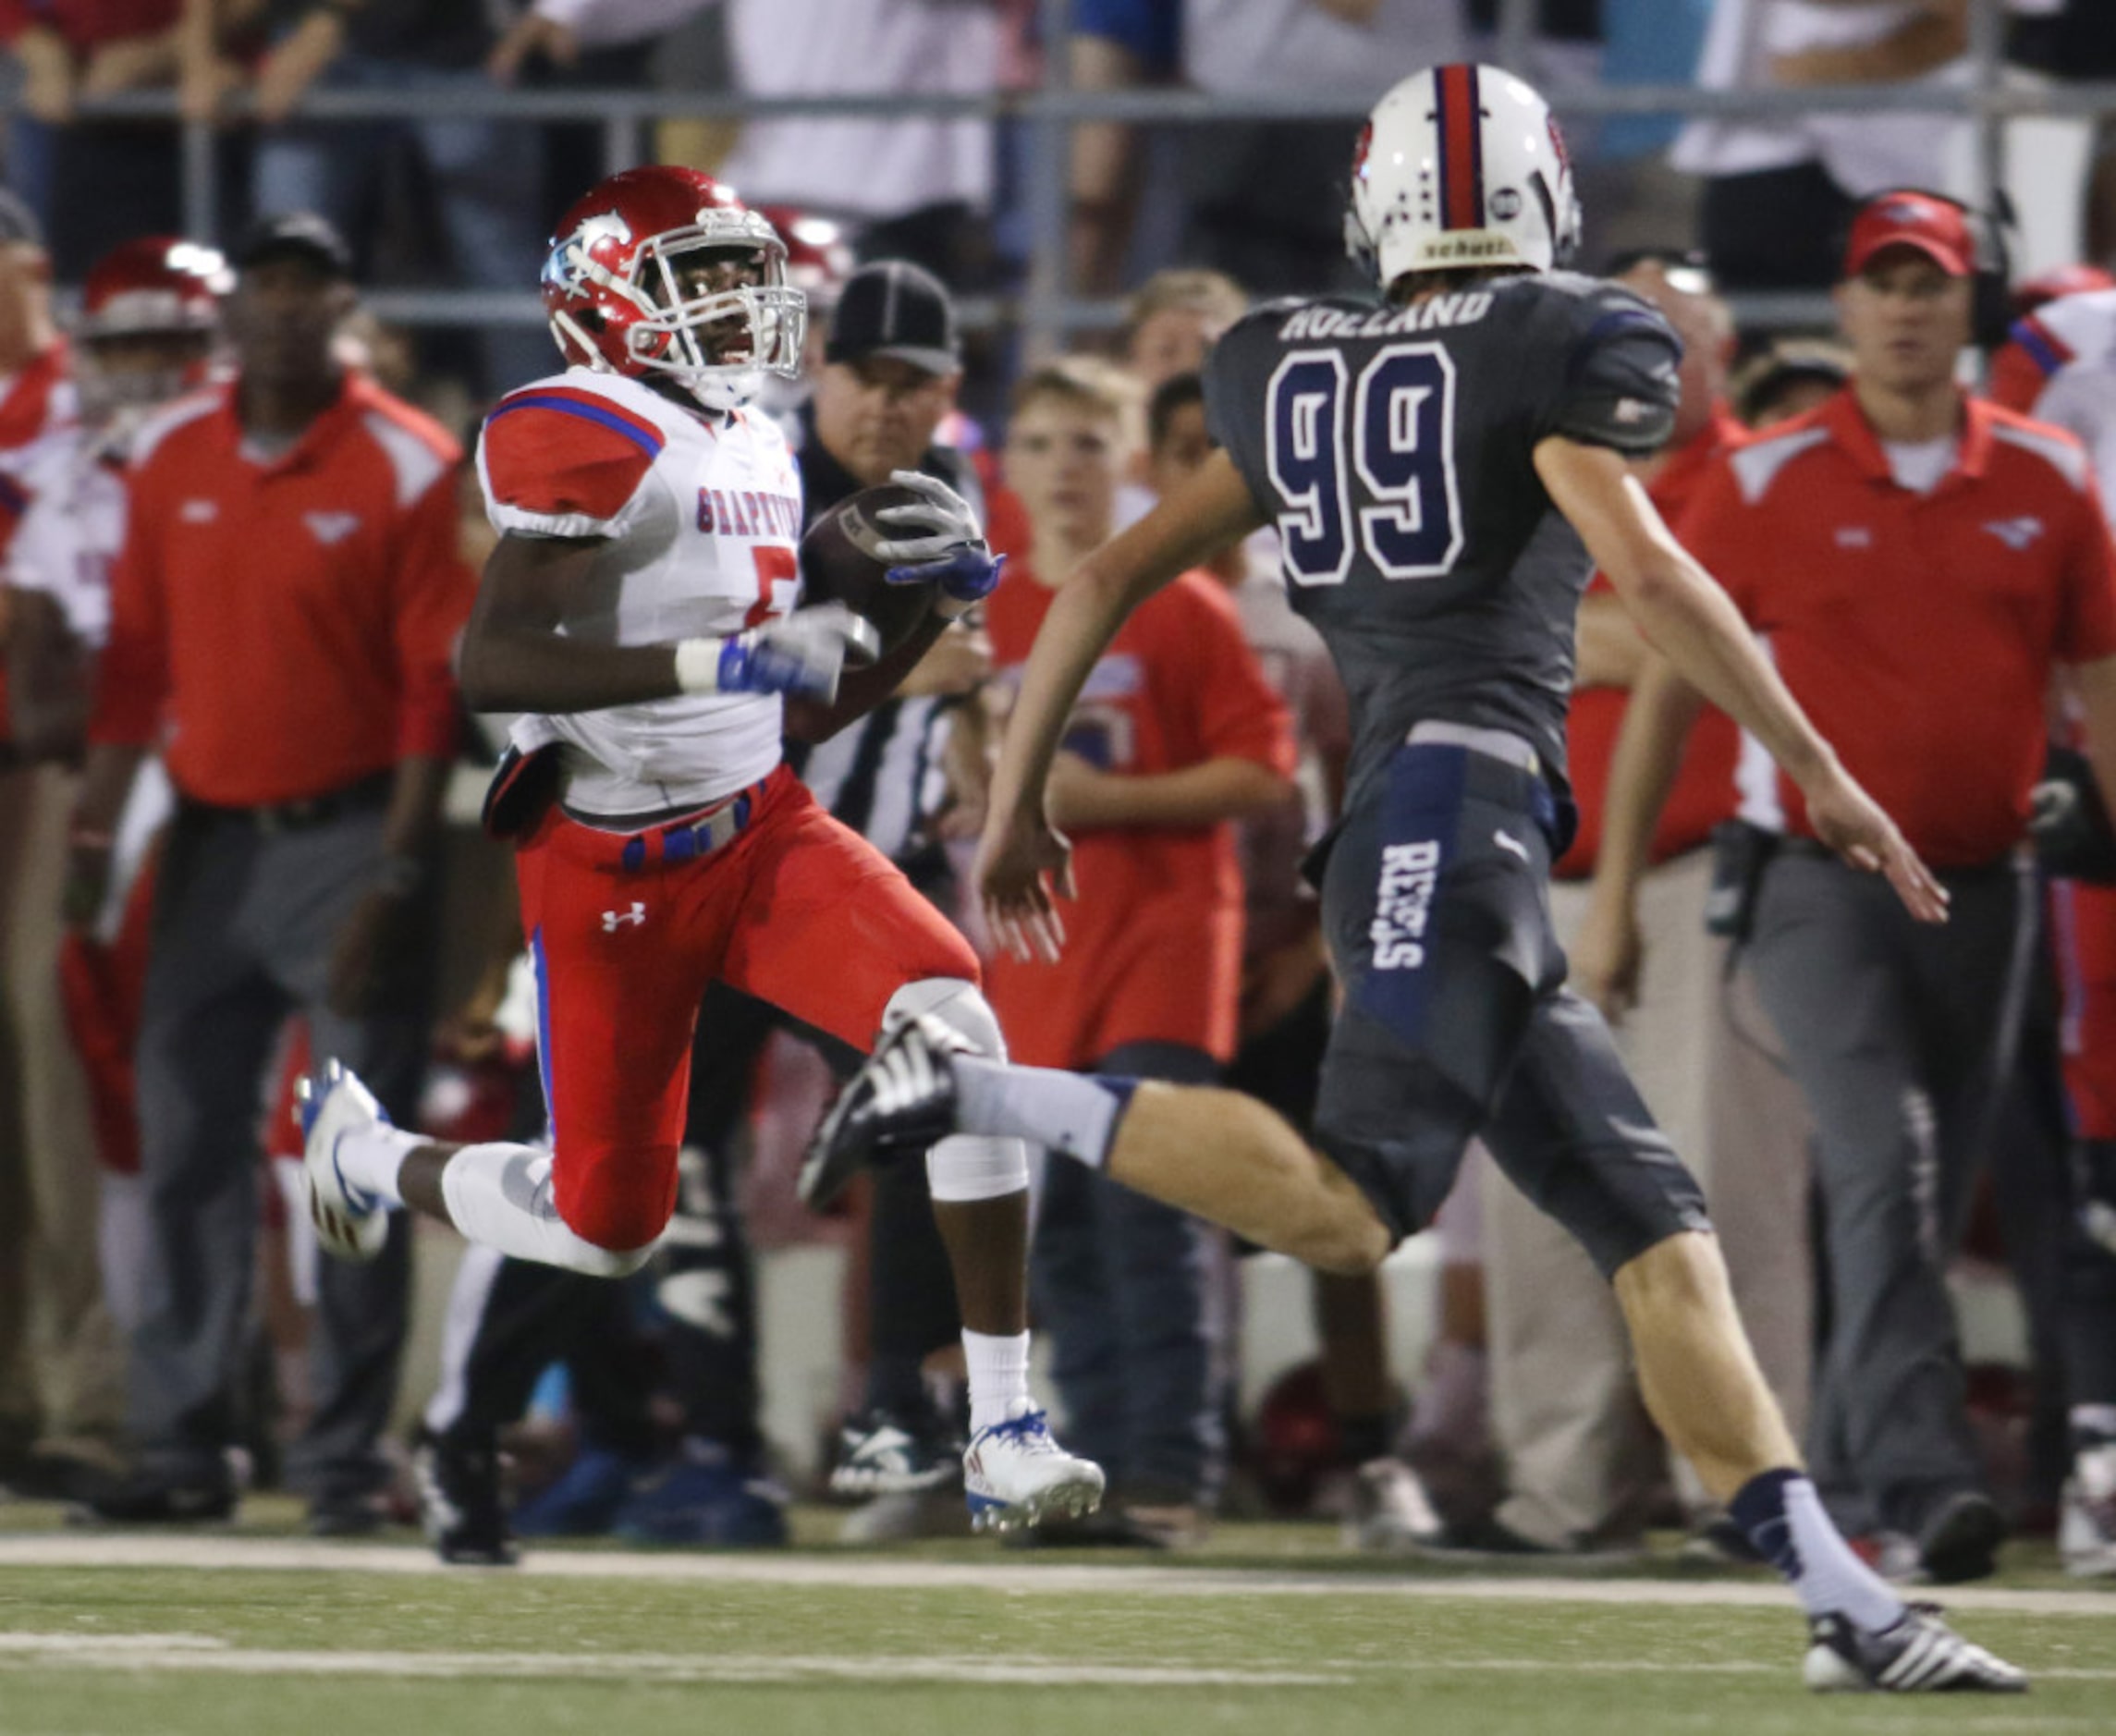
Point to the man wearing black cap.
(283, 612)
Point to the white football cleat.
(1390, 1512)
(1919, 1654)
(1015, 1473)
(2087, 1520)
(350, 1222)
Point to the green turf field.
(1271, 1630)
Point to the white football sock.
(369, 1157)
(1784, 1518)
(998, 1377)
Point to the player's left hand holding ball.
(952, 553)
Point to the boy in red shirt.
(1178, 736)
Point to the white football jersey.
(700, 516)
(2070, 343)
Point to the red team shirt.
(1917, 631)
(1153, 950)
(1703, 791)
(293, 621)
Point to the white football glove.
(951, 553)
(802, 653)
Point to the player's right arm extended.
(1692, 622)
(514, 658)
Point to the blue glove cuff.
(968, 575)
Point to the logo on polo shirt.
(1855, 536)
(2017, 534)
(614, 920)
(198, 511)
(331, 527)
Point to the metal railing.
(1048, 310)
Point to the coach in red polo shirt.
(283, 614)
(1918, 562)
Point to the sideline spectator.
(486, 173)
(1779, 189)
(1285, 1009)
(1265, 196)
(1583, 1462)
(144, 336)
(284, 607)
(97, 182)
(1914, 503)
(1116, 46)
(60, 1372)
(1173, 318)
(915, 187)
(2061, 367)
(1789, 379)
(2076, 40)
(1178, 734)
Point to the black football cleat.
(461, 1506)
(898, 1105)
(1919, 1654)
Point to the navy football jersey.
(1392, 447)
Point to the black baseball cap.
(18, 222)
(296, 232)
(894, 308)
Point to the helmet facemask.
(681, 330)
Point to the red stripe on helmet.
(1461, 153)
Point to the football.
(839, 565)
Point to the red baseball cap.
(1936, 228)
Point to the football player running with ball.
(1445, 466)
(639, 610)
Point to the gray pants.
(1125, 1287)
(1902, 1038)
(244, 923)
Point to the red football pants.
(798, 909)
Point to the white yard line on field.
(193, 1654)
(196, 1552)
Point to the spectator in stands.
(283, 612)
(97, 182)
(485, 172)
(1582, 1462)
(1789, 379)
(1262, 196)
(1913, 503)
(145, 335)
(1116, 46)
(2077, 39)
(1286, 991)
(913, 187)
(58, 1367)
(1179, 735)
(1779, 187)
(1173, 318)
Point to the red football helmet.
(620, 299)
(158, 297)
(158, 283)
(818, 255)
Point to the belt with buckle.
(687, 838)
